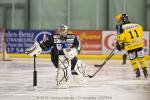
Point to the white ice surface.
(113, 82)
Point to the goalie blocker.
(35, 50)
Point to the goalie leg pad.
(64, 72)
(79, 73)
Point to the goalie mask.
(62, 30)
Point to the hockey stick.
(108, 57)
(34, 73)
(101, 65)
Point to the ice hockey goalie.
(65, 48)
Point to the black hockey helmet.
(124, 19)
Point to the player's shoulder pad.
(140, 26)
(129, 26)
(71, 35)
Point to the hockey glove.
(34, 50)
(70, 53)
(118, 46)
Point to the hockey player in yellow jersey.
(129, 38)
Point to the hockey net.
(3, 52)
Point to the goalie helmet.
(62, 30)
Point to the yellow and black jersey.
(131, 36)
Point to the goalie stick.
(34, 73)
(101, 65)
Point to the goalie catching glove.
(70, 53)
(34, 50)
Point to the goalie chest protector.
(69, 41)
(66, 42)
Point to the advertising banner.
(19, 40)
(91, 41)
